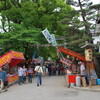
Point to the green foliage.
(96, 54)
(79, 31)
(20, 38)
(23, 21)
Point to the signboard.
(54, 43)
(35, 61)
(40, 59)
(12, 58)
(5, 59)
(47, 35)
(88, 54)
(66, 61)
(12, 79)
(17, 55)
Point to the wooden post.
(88, 56)
(88, 67)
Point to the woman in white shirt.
(20, 75)
(24, 74)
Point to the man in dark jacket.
(49, 69)
(3, 77)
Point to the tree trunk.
(97, 66)
(25, 53)
(84, 19)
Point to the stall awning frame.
(12, 58)
(71, 53)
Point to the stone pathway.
(53, 88)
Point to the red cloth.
(71, 79)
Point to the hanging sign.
(54, 43)
(47, 35)
(88, 54)
(66, 61)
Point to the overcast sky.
(95, 1)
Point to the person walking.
(3, 77)
(49, 69)
(46, 73)
(39, 71)
(30, 74)
(44, 69)
(24, 74)
(20, 75)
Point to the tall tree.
(23, 21)
(86, 12)
(78, 31)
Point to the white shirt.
(20, 71)
(38, 69)
(24, 71)
(82, 70)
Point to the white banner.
(47, 35)
(54, 43)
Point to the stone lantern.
(88, 51)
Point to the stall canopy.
(71, 53)
(12, 58)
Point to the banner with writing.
(66, 61)
(47, 35)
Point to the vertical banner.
(41, 60)
(54, 43)
(47, 35)
(58, 53)
(33, 57)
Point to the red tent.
(71, 53)
(12, 58)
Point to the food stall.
(9, 62)
(71, 77)
(75, 77)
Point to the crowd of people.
(25, 74)
(38, 71)
(54, 69)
